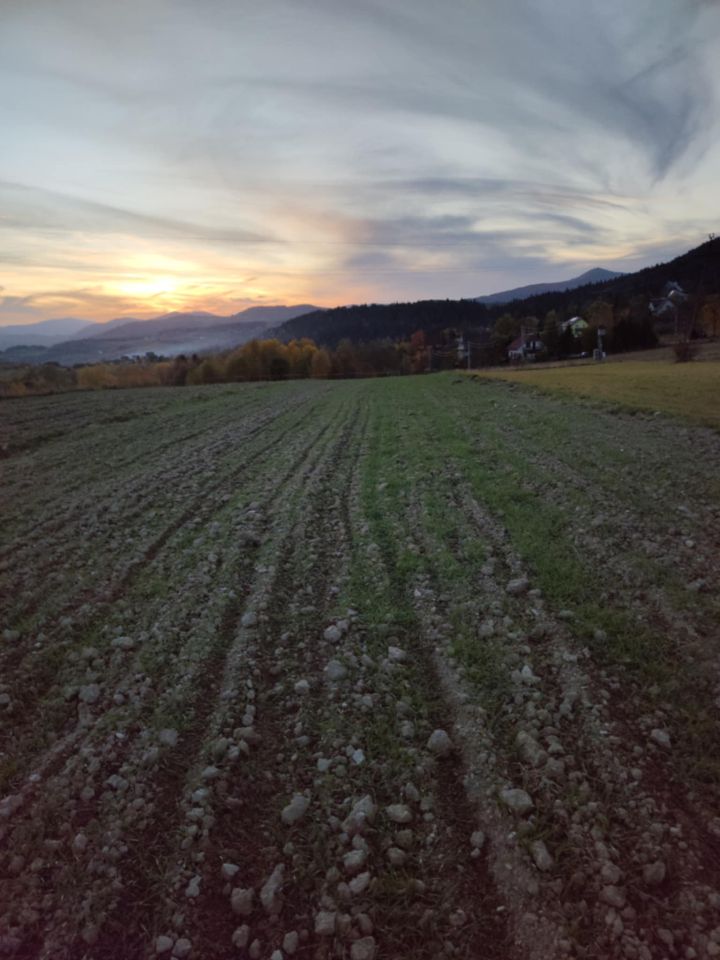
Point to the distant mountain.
(44, 333)
(697, 271)
(168, 335)
(597, 275)
(198, 320)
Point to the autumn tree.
(320, 365)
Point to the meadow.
(405, 667)
(682, 389)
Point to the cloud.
(30, 207)
(366, 149)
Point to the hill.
(377, 321)
(169, 335)
(45, 333)
(697, 271)
(596, 275)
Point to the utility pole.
(600, 335)
(468, 353)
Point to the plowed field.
(408, 668)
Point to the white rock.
(527, 676)
(477, 840)
(241, 936)
(407, 729)
(333, 634)
(359, 884)
(396, 655)
(229, 870)
(123, 643)
(613, 896)
(661, 737)
(241, 901)
(399, 813)
(519, 801)
(270, 893)
(295, 810)
(291, 942)
(654, 873)
(354, 861)
(302, 687)
(89, 693)
(80, 843)
(182, 948)
(325, 923)
(364, 811)
(193, 888)
(439, 743)
(518, 586)
(335, 671)
(163, 945)
(364, 949)
(396, 856)
(168, 737)
(543, 860)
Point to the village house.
(525, 348)
(575, 325)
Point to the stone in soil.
(399, 813)
(396, 655)
(270, 893)
(661, 738)
(613, 896)
(363, 812)
(295, 810)
(335, 671)
(518, 586)
(439, 743)
(89, 693)
(325, 923)
(364, 949)
(517, 800)
(543, 860)
(654, 873)
(241, 901)
(291, 942)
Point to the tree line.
(628, 326)
(253, 361)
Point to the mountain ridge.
(168, 334)
(594, 275)
(697, 270)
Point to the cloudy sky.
(214, 154)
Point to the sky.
(212, 155)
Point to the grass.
(688, 390)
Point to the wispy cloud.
(340, 150)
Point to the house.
(575, 325)
(668, 304)
(525, 348)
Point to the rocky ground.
(423, 667)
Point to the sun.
(149, 288)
